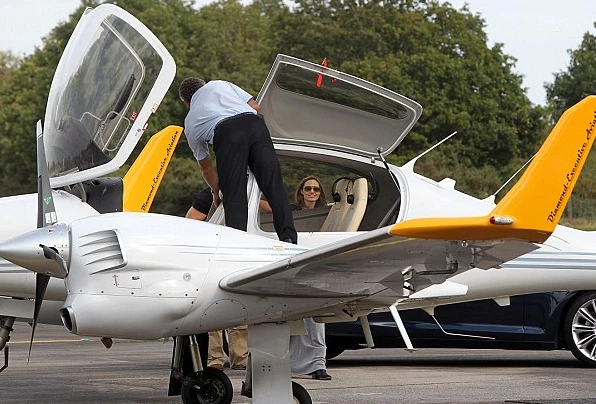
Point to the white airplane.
(392, 238)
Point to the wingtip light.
(501, 220)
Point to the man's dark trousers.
(241, 141)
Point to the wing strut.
(402, 328)
(366, 330)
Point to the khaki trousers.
(237, 348)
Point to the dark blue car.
(543, 321)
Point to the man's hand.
(216, 198)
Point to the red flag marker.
(320, 76)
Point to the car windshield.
(96, 95)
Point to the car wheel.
(580, 329)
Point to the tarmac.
(68, 369)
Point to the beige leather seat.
(338, 211)
(355, 212)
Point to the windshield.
(319, 85)
(96, 96)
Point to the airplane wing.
(417, 253)
(371, 262)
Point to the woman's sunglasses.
(308, 188)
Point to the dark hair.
(188, 87)
(322, 201)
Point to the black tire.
(333, 352)
(300, 394)
(580, 329)
(211, 387)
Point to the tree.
(434, 54)
(568, 88)
(578, 81)
(425, 50)
(23, 94)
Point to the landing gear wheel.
(300, 394)
(580, 329)
(212, 386)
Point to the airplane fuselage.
(172, 267)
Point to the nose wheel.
(211, 386)
(299, 394)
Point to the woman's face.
(311, 190)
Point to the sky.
(538, 33)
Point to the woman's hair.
(322, 201)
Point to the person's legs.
(216, 353)
(238, 346)
(307, 352)
(264, 164)
(230, 144)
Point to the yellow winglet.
(144, 176)
(533, 207)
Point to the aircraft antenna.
(492, 197)
(410, 164)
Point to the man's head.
(188, 87)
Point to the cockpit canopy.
(101, 92)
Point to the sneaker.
(320, 374)
(238, 367)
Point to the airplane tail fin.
(142, 180)
(541, 194)
(533, 207)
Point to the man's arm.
(210, 177)
(254, 105)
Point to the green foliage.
(23, 94)
(429, 52)
(423, 49)
(571, 86)
(568, 88)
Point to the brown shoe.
(238, 367)
(320, 374)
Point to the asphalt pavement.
(68, 369)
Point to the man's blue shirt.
(215, 101)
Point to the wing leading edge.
(419, 252)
